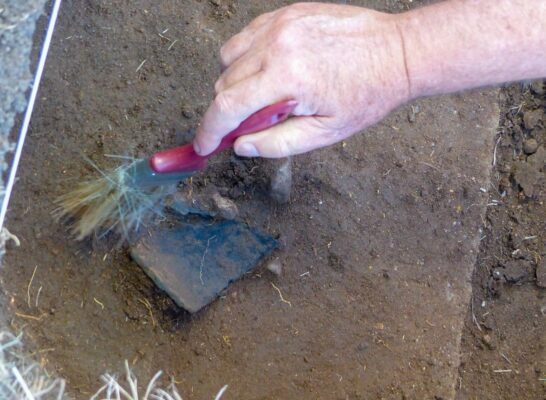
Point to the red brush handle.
(185, 159)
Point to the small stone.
(363, 346)
(530, 146)
(488, 321)
(412, 113)
(531, 118)
(186, 112)
(275, 267)
(225, 207)
(488, 341)
(541, 273)
(281, 183)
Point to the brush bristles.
(108, 203)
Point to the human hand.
(344, 65)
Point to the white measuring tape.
(28, 112)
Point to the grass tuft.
(113, 390)
(23, 379)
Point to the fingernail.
(247, 150)
(196, 148)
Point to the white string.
(28, 113)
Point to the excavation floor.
(380, 237)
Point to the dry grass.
(113, 390)
(22, 379)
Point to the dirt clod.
(517, 271)
(531, 118)
(538, 87)
(528, 173)
(530, 146)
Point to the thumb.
(294, 136)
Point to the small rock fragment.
(488, 341)
(186, 111)
(412, 113)
(275, 267)
(530, 146)
(225, 207)
(281, 182)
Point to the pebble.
(412, 113)
(488, 341)
(186, 112)
(281, 182)
(275, 267)
(225, 207)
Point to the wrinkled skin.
(344, 66)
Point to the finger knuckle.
(296, 72)
(288, 13)
(225, 52)
(218, 86)
(301, 7)
(284, 148)
(261, 19)
(224, 103)
(284, 37)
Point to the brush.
(121, 199)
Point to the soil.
(367, 221)
(504, 344)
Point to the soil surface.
(504, 344)
(379, 237)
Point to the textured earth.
(380, 237)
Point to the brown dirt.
(509, 330)
(343, 225)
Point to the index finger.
(240, 43)
(232, 106)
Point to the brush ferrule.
(142, 175)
